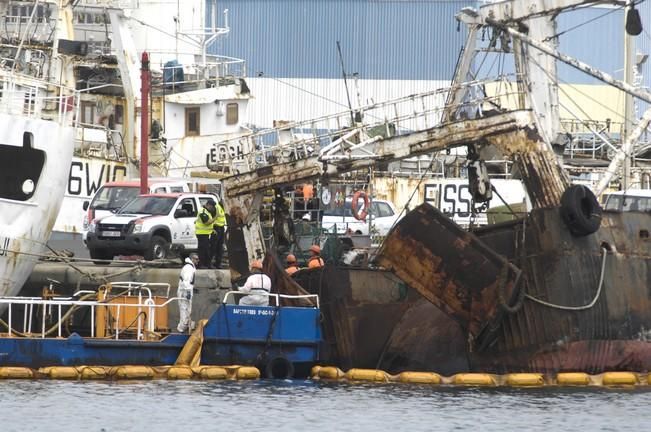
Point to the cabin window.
(192, 121)
(232, 113)
(87, 112)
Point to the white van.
(383, 215)
(629, 200)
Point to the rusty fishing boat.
(564, 287)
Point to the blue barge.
(282, 341)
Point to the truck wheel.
(100, 257)
(158, 249)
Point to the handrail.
(274, 295)
(30, 302)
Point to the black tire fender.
(580, 210)
(279, 367)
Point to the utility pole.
(144, 123)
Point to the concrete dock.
(210, 285)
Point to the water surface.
(155, 406)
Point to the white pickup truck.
(149, 225)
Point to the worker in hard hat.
(315, 260)
(292, 265)
(184, 292)
(258, 285)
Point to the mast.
(629, 58)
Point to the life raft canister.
(357, 213)
(580, 210)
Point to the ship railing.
(146, 303)
(219, 71)
(30, 97)
(350, 135)
(275, 296)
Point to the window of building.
(232, 113)
(191, 121)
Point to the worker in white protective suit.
(184, 292)
(258, 285)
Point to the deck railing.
(143, 292)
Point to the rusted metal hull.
(610, 329)
(453, 269)
(360, 308)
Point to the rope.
(578, 308)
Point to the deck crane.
(328, 146)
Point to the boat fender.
(474, 379)
(213, 372)
(580, 210)
(419, 378)
(12, 372)
(367, 375)
(180, 372)
(619, 379)
(133, 372)
(573, 379)
(60, 372)
(279, 367)
(359, 214)
(247, 372)
(525, 380)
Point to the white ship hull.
(25, 226)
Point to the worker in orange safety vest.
(292, 265)
(315, 260)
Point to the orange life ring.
(357, 214)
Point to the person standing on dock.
(258, 285)
(217, 237)
(203, 228)
(315, 260)
(292, 265)
(184, 292)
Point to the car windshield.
(113, 197)
(339, 211)
(149, 205)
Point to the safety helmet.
(256, 264)
(315, 248)
(291, 259)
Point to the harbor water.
(312, 406)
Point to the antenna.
(343, 72)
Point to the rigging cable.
(578, 308)
(617, 9)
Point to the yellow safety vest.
(201, 228)
(220, 219)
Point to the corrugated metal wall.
(397, 47)
(409, 39)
